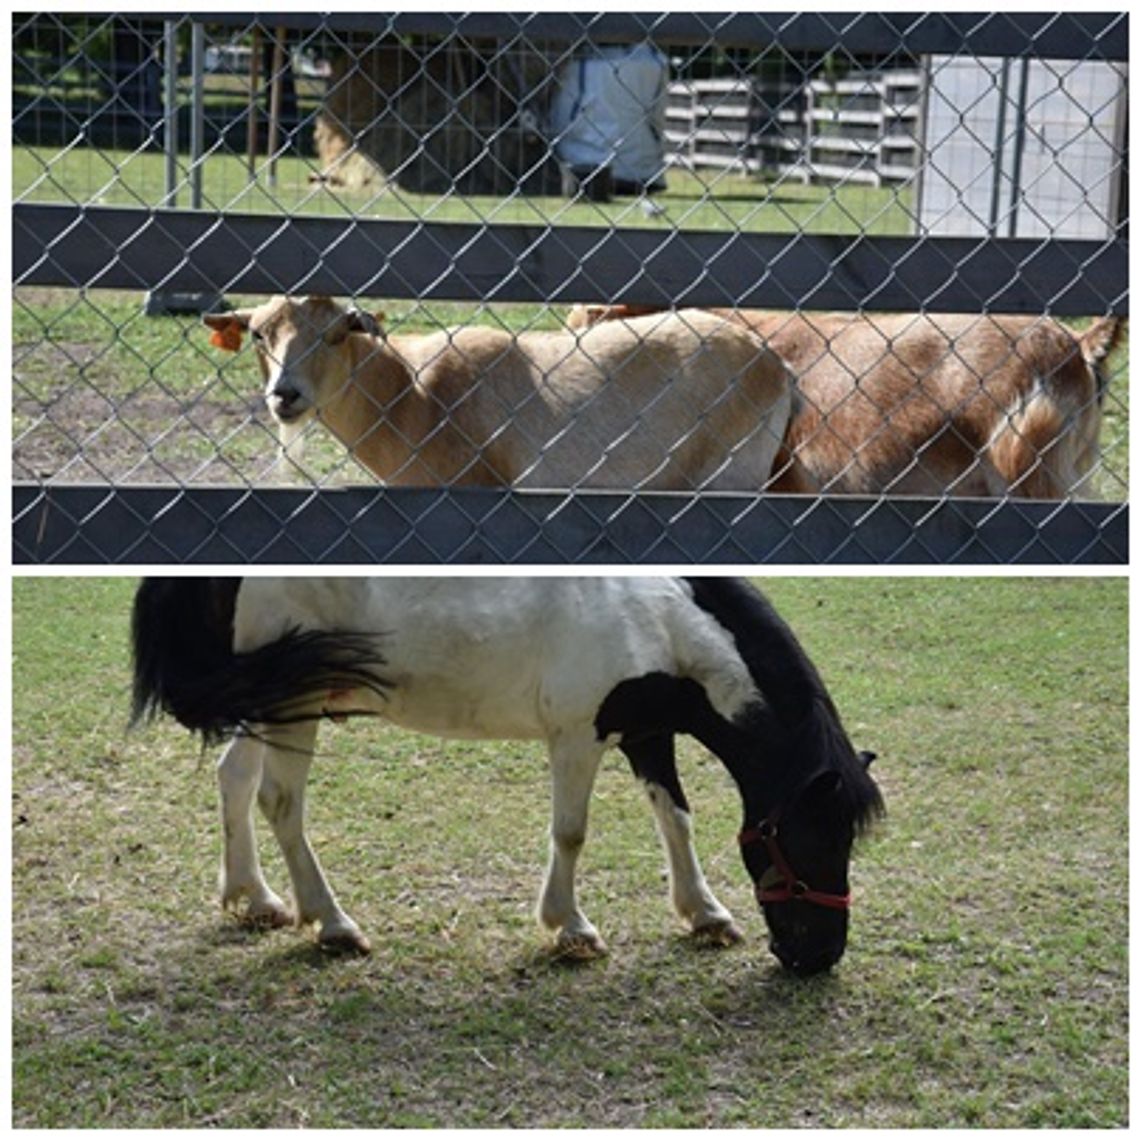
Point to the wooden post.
(276, 82)
(254, 69)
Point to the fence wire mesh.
(731, 288)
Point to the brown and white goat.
(675, 401)
(958, 404)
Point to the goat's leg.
(574, 759)
(654, 761)
(241, 881)
(291, 452)
(287, 760)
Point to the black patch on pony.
(647, 712)
(182, 632)
(797, 718)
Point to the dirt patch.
(150, 437)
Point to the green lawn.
(986, 980)
(709, 201)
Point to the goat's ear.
(352, 320)
(867, 758)
(228, 328)
(595, 314)
(362, 322)
(579, 318)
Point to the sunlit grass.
(709, 201)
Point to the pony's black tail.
(185, 664)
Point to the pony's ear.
(826, 786)
(866, 758)
(228, 328)
(1100, 338)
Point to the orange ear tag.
(228, 337)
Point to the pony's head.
(796, 846)
(807, 793)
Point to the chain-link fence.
(673, 288)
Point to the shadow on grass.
(740, 987)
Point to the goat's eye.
(256, 336)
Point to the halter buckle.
(787, 887)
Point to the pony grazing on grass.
(584, 664)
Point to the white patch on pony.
(507, 657)
(707, 652)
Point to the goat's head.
(300, 349)
(582, 317)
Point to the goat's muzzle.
(286, 404)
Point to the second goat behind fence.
(956, 403)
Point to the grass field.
(986, 980)
(711, 200)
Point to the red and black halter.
(789, 886)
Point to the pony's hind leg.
(281, 796)
(574, 760)
(653, 760)
(242, 885)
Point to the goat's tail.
(185, 664)
(1100, 338)
(1046, 444)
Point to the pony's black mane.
(797, 716)
(823, 736)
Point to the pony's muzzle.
(805, 964)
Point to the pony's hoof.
(723, 932)
(580, 947)
(269, 919)
(344, 942)
(270, 914)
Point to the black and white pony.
(584, 664)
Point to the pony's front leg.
(574, 760)
(243, 887)
(286, 762)
(654, 761)
(708, 919)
